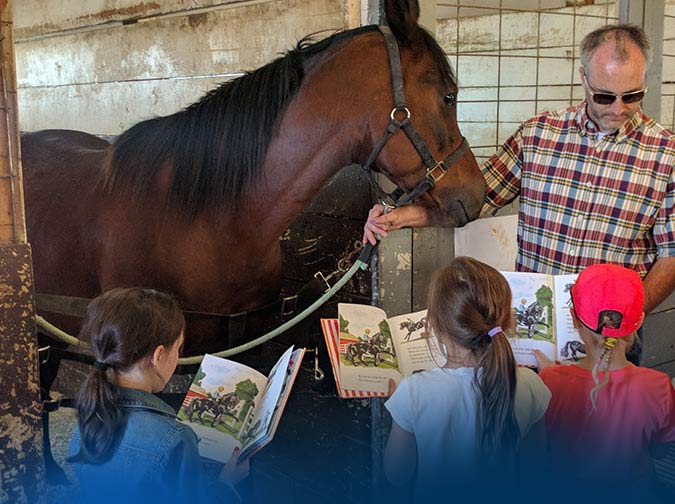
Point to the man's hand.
(379, 224)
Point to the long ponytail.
(499, 431)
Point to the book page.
(269, 415)
(367, 355)
(219, 405)
(412, 343)
(268, 399)
(331, 333)
(569, 344)
(532, 301)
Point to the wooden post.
(21, 462)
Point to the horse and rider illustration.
(531, 318)
(375, 347)
(411, 326)
(219, 408)
(574, 348)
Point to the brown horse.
(195, 202)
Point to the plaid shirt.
(585, 200)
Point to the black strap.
(395, 69)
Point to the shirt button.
(589, 184)
(573, 252)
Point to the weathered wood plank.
(21, 464)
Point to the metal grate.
(515, 59)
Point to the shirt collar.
(587, 126)
(135, 398)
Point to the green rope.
(358, 264)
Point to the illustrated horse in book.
(531, 318)
(573, 349)
(218, 408)
(375, 347)
(411, 326)
(194, 203)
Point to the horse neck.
(325, 128)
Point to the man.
(596, 181)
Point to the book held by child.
(541, 308)
(366, 348)
(230, 405)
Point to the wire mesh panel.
(514, 59)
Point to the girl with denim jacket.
(129, 445)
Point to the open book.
(541, 306)
(230, 405)
(366, 348)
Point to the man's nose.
(618, 106)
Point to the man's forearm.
(659, 282)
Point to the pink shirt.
(636, 408)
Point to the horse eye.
(450, 98)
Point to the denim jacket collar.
(140, 399)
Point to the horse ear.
(402, 16)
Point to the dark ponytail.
(499, 429)
(122, 326)
(467, 300)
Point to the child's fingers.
(542, 360)
(392, 386)
(235, 470)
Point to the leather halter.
(435, 170)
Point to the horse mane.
(214, 148)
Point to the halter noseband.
(436, 170)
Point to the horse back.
(61, 169)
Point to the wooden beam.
(21, 459)
(12, 217)
(353, 13)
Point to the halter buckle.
(439, 166)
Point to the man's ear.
(157, 355)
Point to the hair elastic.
(494, 330)
(101, 365)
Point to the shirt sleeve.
(502, 173)
(532, 399)
(664, 226)
(400, 405)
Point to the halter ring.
(401, 109)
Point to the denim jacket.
(157, 460)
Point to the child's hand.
(392, 387)
(234, 471)
(543, 361)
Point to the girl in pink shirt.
(605, 413)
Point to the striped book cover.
(331, 332)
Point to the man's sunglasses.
(608, 98)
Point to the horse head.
(431, 99)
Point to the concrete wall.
(81, 66)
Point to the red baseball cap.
(609, 300)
